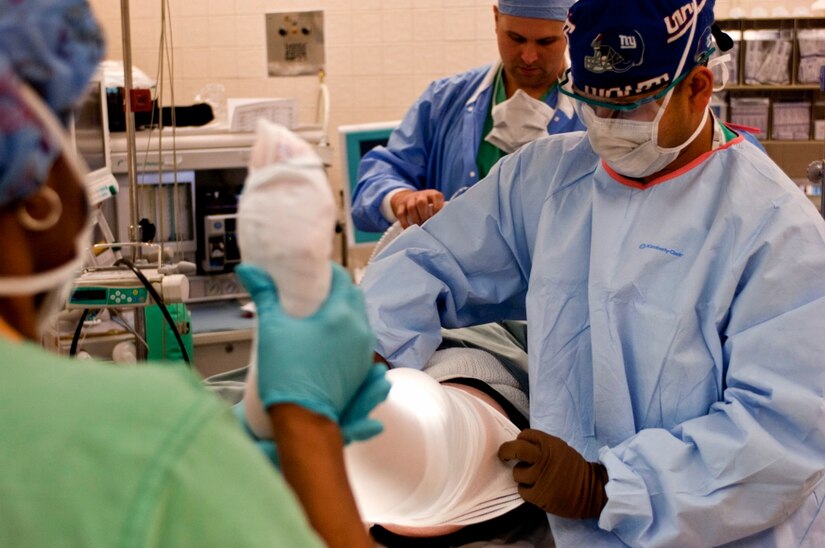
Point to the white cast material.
(286, 218)
(436, 461)
(286, 221)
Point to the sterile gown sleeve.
(749, 463)
(402, 164)
(467, 265)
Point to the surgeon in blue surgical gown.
(673, 280)
(463, 124)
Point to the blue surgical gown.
(677, 332)
(436, 145)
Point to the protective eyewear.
(642, 109)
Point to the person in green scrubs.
(95, 455)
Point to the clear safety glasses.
(643, 110)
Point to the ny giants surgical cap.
(635, 46)
(54, 47)
(555, 10)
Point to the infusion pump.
(118, 288)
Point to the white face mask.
(630, 147)
(57, 282)
(629, 144)
(518, 121)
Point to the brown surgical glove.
(554, 477)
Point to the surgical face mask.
(629, 144)
(518, 121)
(54, 283)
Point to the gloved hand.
(355, 422)
(318, 362)
(554, 477)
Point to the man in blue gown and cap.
(673, 279)
(462, 125)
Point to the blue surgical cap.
(54, 47)
(637, 48)
(27, 150)
(555, 10)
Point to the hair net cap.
(54, 45)
(555, 10)
(27, 149)
(436, 461)
(638, 48)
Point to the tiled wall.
(380, 53)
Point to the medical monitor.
(356, 141)
(90, 134)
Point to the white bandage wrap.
(436, 462)
(286, 219)
(286, 223)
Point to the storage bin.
(768, 56)
(811, 55)
(791, 121)
(819, 130)
(752, 112)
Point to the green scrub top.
(729, 134)
(489, 154)
(99, 455)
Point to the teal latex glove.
(355, 422)
(317, 362)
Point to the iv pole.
(131, 153)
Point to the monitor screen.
(89, 132)
(356, 141)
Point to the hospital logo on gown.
(616, 52)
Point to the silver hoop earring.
(39, 225)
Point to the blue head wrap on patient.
(53, 46)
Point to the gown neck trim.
(672, 174)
